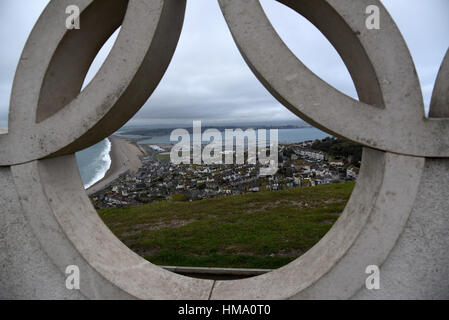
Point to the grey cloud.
(208, 79)
(17, 18)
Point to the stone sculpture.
(397, 217)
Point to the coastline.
(124, 156)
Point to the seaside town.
(300, 164)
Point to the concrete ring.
(69, 231)
(396, 218)
(388, 89)
(46, 94)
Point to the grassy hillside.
(259, 230)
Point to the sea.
(94, 162)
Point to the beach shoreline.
(124, 156)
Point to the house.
(351, 172)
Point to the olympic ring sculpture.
(397, 217)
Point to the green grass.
(258, 230)
(163, 157)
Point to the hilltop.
(266, 229)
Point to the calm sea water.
(93, 162)
(284, 136)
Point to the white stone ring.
(397, 217)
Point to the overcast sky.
(208, 80)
